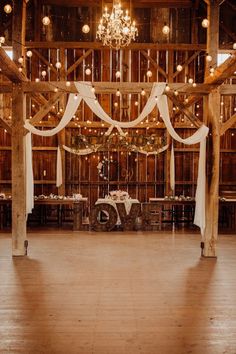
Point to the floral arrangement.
(119, 195)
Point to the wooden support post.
(212, 192)
(212, 115)
(19, 238)
(18, 173)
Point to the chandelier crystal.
(116, 29)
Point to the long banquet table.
(76, 205)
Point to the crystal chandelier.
(116, 30)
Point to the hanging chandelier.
(116, 29)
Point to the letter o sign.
(96, 222)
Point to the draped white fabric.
(89, 97)
(172, 168)
(29, 174)
(156, 98)
(70, 110)
(198, 137)
(59, 168)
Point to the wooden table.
(76, 205)
(176, 210)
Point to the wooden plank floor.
(118, 293)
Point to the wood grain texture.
(128, 293)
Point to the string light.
(167, 88)
(234, 46)
(2, 40)
(149, 73)
(8, 8)
(68, 83)
(208, 58)
(118, 74)
(20, 60)
(118, 93)
(88, 71)
(190, 80)
(58, 65)
(143, 93)
(179, 68)
(46, 20)
(85, 28)
(205, 23)
(29, 53)
(166, 29)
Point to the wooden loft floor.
(117, 293)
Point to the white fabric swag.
(59, 168)
(198, 137)
(156, 98)
(172, 168)
(29, 174)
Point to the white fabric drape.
(89, 97)
(70, 110)
(198, 137)
(29, 174)
(172, 168)
(59, 168)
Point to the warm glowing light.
(205, 23)
(46, 21)
(85, 28)
(8, 8)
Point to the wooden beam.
(152, 61)
(132, 46)
(79, 61)
(138, 4)
(222, 72)
(187, 63)
(228, 124)
(10, 69)
(45, 61)
(5, 125)
(46, 108)
(231, 34)
(182, 108)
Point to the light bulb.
(116, 104)
(234, 46)
(37, 79)
(20, 69)
(190, 81)
(176, 93)
(29, 53)
(212, 70)
(58, 65)
(143, 93)
(46, 20)
(167, 88)
(149, 73)
(205, 23)
(208, 58)
(118, 74)
(44, 73)
(2, 40)
(179, 68)
(194, 84)
(118, 93)
(166, 29)
(8, 8)
(88, 71)
(136, 103)
(68, 83)
(20, 60)
(85, 28)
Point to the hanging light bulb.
(179, 68)
(190, 80)
(93, 89)
(212, 70)
(149, 73)
(58, 65)
(85, 28)
(68, 83)
(234, 46)
(118, 93)
(44, 73)
(143, 93)
(194, 84)
(88, 71)
(116, 104)
(118, 74)
(136, 103)
(166, 29)
(46, 20)
(205, 23)
(176, 92)
(208, 57)
(2, 40)
(8, 8)
(20, 60)
(167, 88)
(29, 53)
